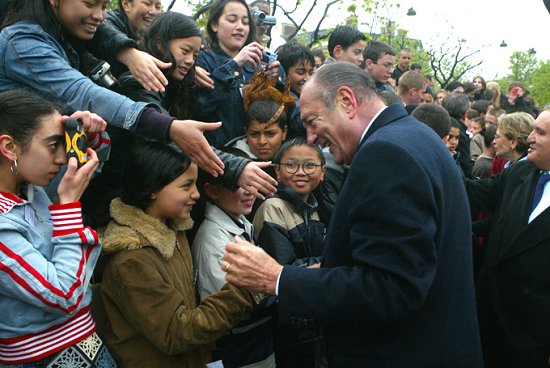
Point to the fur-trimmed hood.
(131, 228)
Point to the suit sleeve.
(484, 194)
(390, 222)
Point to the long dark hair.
(166, 27)
(215, 13)
(21, 112)
(35, 11)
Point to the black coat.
(396, 288)
(513, 286)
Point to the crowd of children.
(159, 177)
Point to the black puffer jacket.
(113, 35)
(289, 229)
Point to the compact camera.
(101, 75)
(268, 57)
(76, 143)
(262, 19)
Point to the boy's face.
(235, 203)
(299, 74)
(264, 141)
(353, 54)
(380, 70)
(300, 182)
(404, 59)
(475, 127)
(454, 136)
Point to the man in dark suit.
(396, 285)
(513, 285)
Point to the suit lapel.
(531, 236)
(534, 232)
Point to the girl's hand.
(202, 78)
(189, 136)
(92, 124)
(75, 181)
(251, 53)
(145, 68)
(272, 70)
(256, 181)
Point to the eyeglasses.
(309, 168)
(387, 66)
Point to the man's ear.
(345, 99)
(8, 148)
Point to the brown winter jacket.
(149, 296)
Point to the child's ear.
(323, 172)
(338, 51)
(211, 191)
(8, 148)
(277, 169)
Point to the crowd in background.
(193, 142)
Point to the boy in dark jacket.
(288, 227)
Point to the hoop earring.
(13, 167)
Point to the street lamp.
(503, 44)
(411, 12)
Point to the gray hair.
(331, 77)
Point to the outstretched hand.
(256, 181)
(189, 136)
(145, 68)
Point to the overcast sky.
(483, 23)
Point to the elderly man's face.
(539, 142)
(328, 128)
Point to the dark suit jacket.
(396, 288)
(513, 285)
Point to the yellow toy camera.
(76, 143)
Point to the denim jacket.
(224, 103)
(30, 57)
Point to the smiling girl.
(147, 286)
(231, 62)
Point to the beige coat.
(149, 296)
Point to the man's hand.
(189, 136)
(249, 266)
(256, 181)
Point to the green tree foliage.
(539, 81)
(522, 66)
(112, 5)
